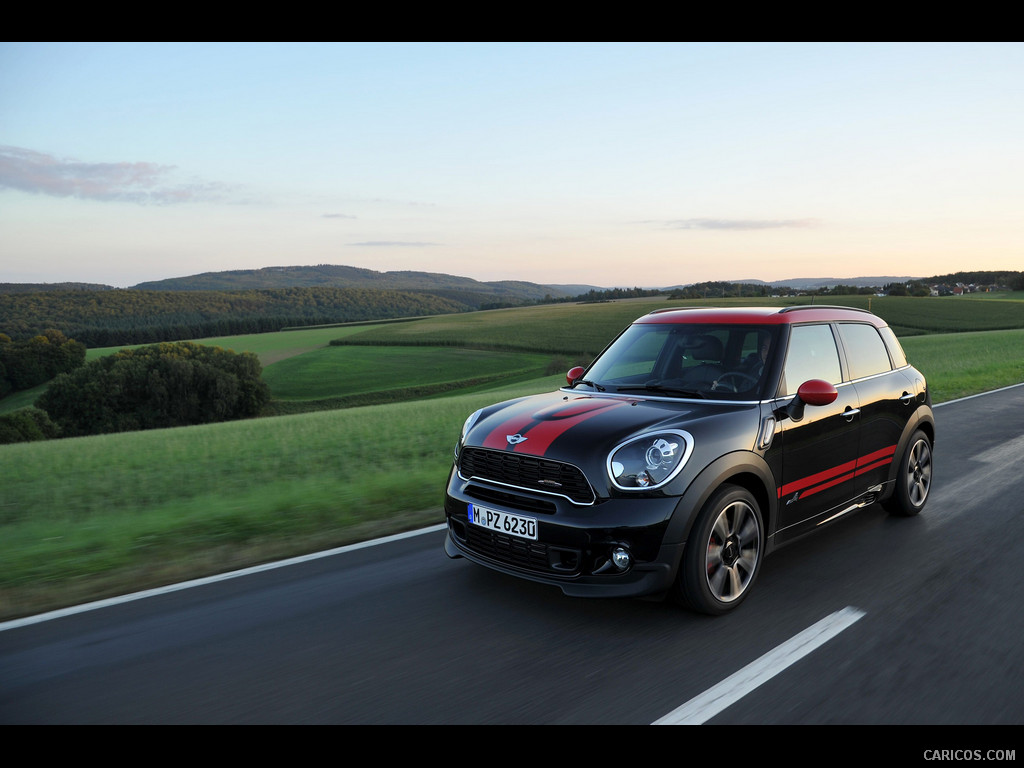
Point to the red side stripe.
(876, 465)
(840, 474)
(874, 456)
(819, 477)
(829, 484)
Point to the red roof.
(760, 315)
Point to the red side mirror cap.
(817, 392)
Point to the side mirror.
(811, 392)
(574, 373)
(817, 392)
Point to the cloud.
(337, 216)
(740, 224)
(39, 173)
(394, 244)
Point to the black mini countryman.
(695, 444)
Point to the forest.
(172, 384)
(130, 316)
(28, 362)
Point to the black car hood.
(567, 426)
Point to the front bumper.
(574, 542)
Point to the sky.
(608, 164)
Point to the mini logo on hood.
(515, 439)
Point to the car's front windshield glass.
(686, 360)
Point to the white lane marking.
(211, 579)
(980, 394)
(702, 708)
(1005, 453)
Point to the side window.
(899, 359)
(812, 354)
(865, 350)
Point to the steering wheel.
(743, 377)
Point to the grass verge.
(89, 517)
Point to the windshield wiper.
(589, 383)
(653, 386)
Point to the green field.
(355, 375)
(92, 516)
(269, 347)
(585, 328)
(964, 364)
(89, 517)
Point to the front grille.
(529, 472)
(534, 556)
(522, 502)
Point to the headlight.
(650, 461)
(465, 431)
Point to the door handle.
(906, 398)
(849, 413)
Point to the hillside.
(41, 287)
(812, 283)
(251, 301)
(340, 276)
(272, 298)
(129, 316)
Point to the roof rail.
(821, 306)
(676, 309)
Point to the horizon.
(605, 164)
(861, 280)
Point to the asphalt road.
(399, 634)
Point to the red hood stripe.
(546, 432)
(541, 428)
(520, 420)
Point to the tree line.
(161, 385)
(29, 362)
(129, 316)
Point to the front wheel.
(913, 477)
(723, 554)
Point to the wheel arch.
(923, 420)
(741, 468)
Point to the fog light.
(621, 558)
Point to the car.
(698, 442)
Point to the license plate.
(513, 525)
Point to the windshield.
(686, 360)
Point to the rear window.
(866, 353)
(899, 359)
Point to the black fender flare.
(743, 468)
(922, 419)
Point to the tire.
(723, 554)
(913, 478)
